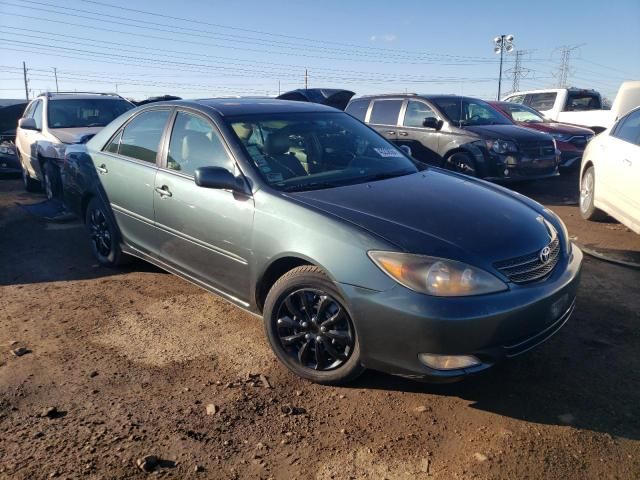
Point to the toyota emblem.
(545, 253)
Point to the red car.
(571, 140)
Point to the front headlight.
(501, 146)
(7, 150)
(436, 276)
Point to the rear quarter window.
(358, 109)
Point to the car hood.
(506, 132)
(555, 127)
(440, 214)
(74, 135)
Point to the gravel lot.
(136, 362)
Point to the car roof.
(432, 96)
(249, 106)
(81, 96)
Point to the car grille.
(537, 149)
(529, 268)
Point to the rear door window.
(141, 136)
(542, 101)
(358, 109)
(385, 112)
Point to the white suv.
(50, 123)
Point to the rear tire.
(104, 235)
(309, 328)
(587, 197)
(461, 162)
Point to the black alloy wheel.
(315, 330)
(99, 233)
(462, 163)
(104, 235)
(310, 329)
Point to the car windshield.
(469, 111)
(522, 113)
(78, 113)
(309, 151)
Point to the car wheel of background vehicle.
(462, 163)
(309, 328)
(104, 236)
(51, 181)
(587, 197)
(30, 185)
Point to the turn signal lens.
(448, 362)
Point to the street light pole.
(502, 43)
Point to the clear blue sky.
(246, 48)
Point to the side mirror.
(27, 124)
(406, 149)
(218, 178)
(432, 122)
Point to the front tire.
(104, 235)
(30, 185)
(309, 328)
(51, 181)
(588, 209)
(461, 162)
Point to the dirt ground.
(128, 363)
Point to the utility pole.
(55, 74)
(306, 79)
(565, 61)
(26, 83)
(278, 87)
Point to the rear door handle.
(164, 191)
(102, 168)
(404, 134)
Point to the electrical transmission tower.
(564, 69)
(518, 72)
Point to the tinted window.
(583, 101)
(358, 108)
(629, 128)
(308, 151)
(28, 113)
(141, 137)
(195, 143)
(85, 112)
(114, 143)
(385, 112)
(469, 111)
(416, 113)
(37, 114)
(542, 101)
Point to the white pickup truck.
(578, 106)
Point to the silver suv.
(50, 123)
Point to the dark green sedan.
(356, 255)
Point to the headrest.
(277, 143)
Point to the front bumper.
(515, 167)
(9, 164)
(396, 325)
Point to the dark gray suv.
(463, 134)
(355, 254)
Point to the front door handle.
(164, 191)
(626, 162)
(404, 134)
(391, 132)
(102, 168)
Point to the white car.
(610, 173)
(579, 106)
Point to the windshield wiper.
(301, 187)
(385, 175)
